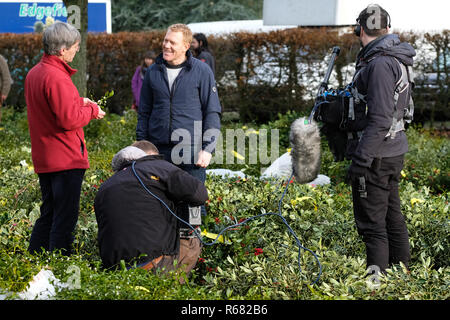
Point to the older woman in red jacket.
(56, 117)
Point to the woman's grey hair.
(59, 35)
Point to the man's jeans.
(376, 207)
(187, 259)
(59, 211)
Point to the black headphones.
(357, 29)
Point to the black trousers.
(376, 207)
(54, 230)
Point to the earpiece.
(357, 30)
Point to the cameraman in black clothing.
(136, 227)
(377, 152)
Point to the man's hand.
(2, 99)
(204, 158)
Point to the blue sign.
(21, 16)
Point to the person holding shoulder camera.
(378, 146)
(134, 222)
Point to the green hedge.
(261, 261)
(259, 75)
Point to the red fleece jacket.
(56, 117)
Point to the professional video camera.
(343, 111)
(335, 109)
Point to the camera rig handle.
(324, 85)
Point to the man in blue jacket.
(179, 109)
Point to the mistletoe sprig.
(102, 101)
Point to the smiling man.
(178, 97)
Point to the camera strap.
(402, 86)
(355, 96)
(405, 83)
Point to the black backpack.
(343, 112)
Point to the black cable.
(300, 247)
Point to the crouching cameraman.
(134, 225)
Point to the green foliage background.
(137, 15)
(258, 74)
(261, 261)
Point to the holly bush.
(259, 259)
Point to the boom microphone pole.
(304, 136)
(324, 84)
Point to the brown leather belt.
(152, 264)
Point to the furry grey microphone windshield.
(304, 138)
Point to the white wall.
(422, 15)
(225, 27)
